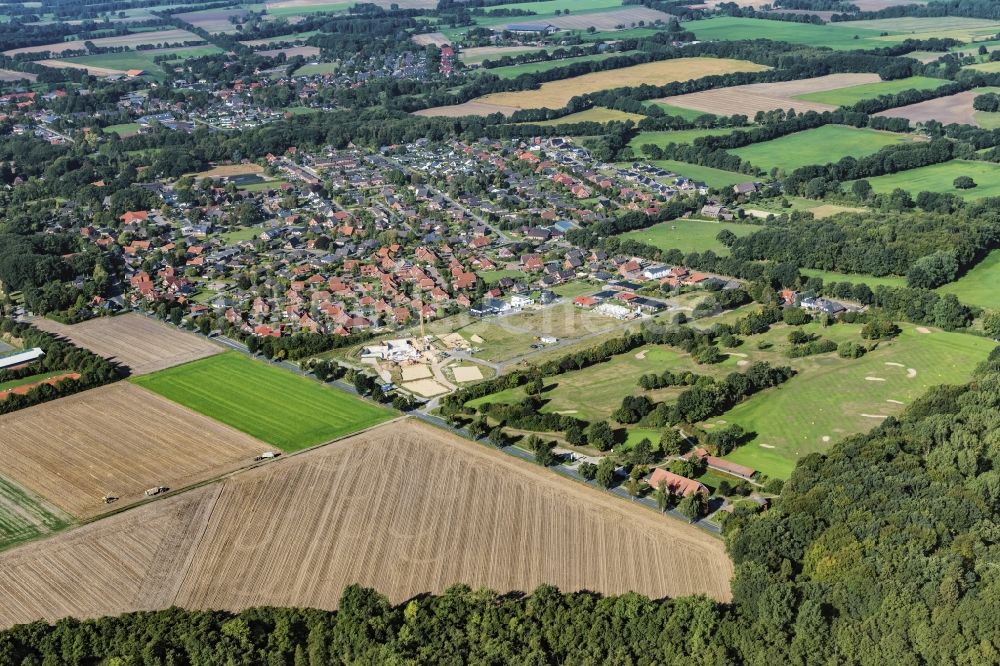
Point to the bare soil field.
(876, 5)
(133, 40)
(292, 51)
(436, 38)
(214, 20)
(750, 99)
(91, 69)
(404, 508)
(609, 20)
(119, 439)
(11, 75)
(555, 94)
(142, 344)
(955, 108)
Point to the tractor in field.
(109, 498)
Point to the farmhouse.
(675, 483)
(726, 466)
(21, 358)
(539, 29)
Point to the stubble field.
(142, 344)
(404, 508)
(117, 439)
(555, 94)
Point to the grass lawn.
(988, 120)
(831, 398)
(940, 178)
(662, 139)
(286, 12)
(318, 68)
(125, 129)
(492, 277)
(143, 59)
(822, 145)
(855, 278)
(687, 114)
(689, 235)
(513, 71)
(596, 114)
(272, 404)
(22, 517)
(981, 285)
(854, 94)
(730, 28)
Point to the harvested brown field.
(213, 20)
(91, 69)
(132, 40)
(227, 170)
(955, 108)
(119, 439)
(609, 20)
(555, 94)
(292, 51)
(404, 508)
(750, 99)
(142, 344)
(428, 38)
(11, 75)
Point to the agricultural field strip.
(119, 439)
(142, 344)
(404, 519)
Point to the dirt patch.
(142, 344)
(425, 387)
(51, 381)
(955, 108)
(228, 170)
(297, 531)
(415, 372)
(895, 365)
(478, 340)
(766, 446)
(911, 373)
(874, 379)
(213, 21)
(754, 97)
(11, 75)
(641, 355)
(742, 363)
(895, 402)
(874, 416)
(428, 38)
(453, 340)
(90, 69)
(119, 439)
(467, 373)
(826, 438)
(923, 329)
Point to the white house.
(21, 358)
(521, 301)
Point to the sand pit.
(467, 373)
(911, 373)
(874, 416)
(750, 99)
(415, 372)
(895, 365)
(874, 379)
(923, 329)
(766, 446)
(895, 402)
(826, 438)
(641, 355)
(425, 387)
(452, 340)
(478, 340)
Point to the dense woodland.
(881, 551)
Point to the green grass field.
(274, 405)
(981, 285)
(689, 235)
(492, 277)
(855, 278)
(513, 71)
(662, 139)
(287, 12)
(596, 114)
(940, 178)
(318, 68)
(832, 398)
(125, 129)
(854, 94)
(822, 145)
(546, 9)
(6, 386)
(687, 114)
(913, 27)
(22, 517)
(726, 28)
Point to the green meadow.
(981, 285)
(941, 178)
(275, 405)
(689, 235)
(822, 145)
(854, 94)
